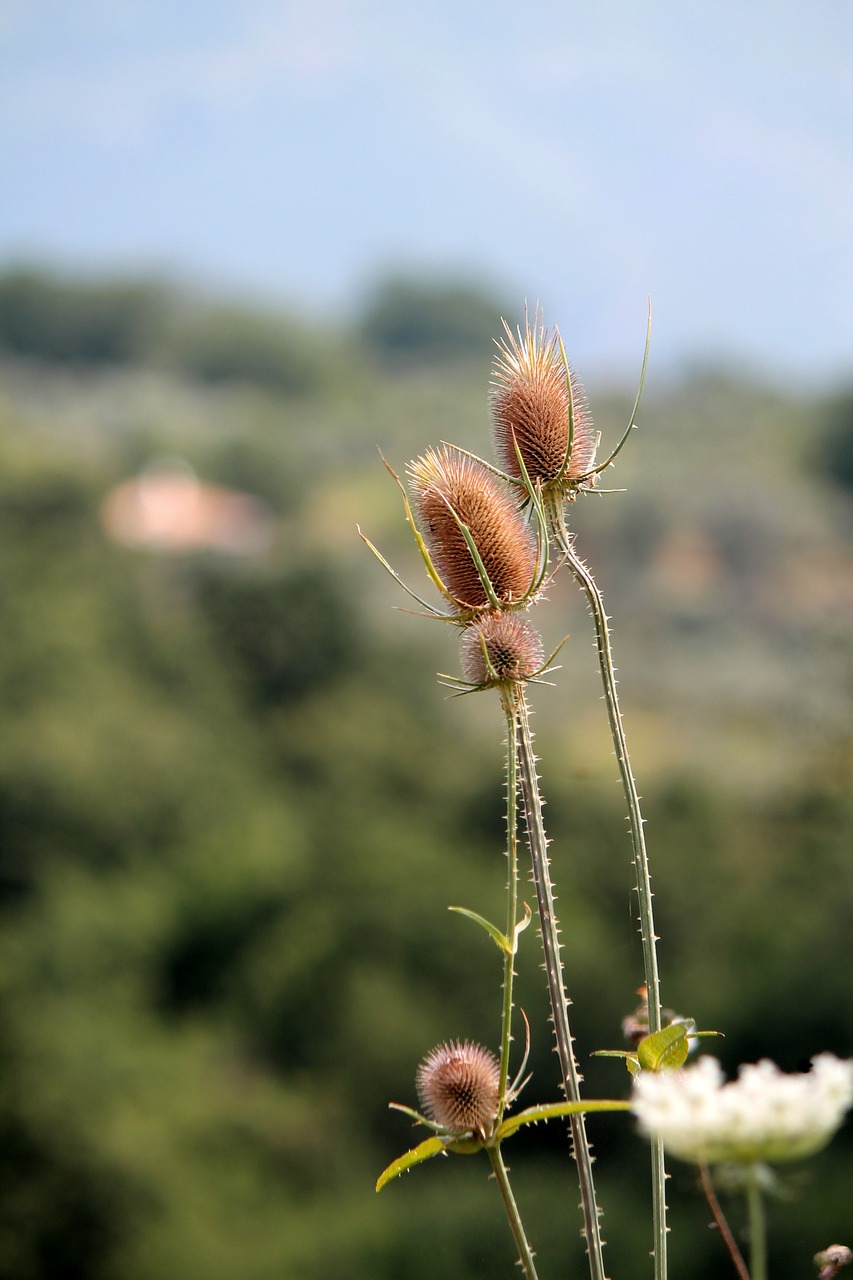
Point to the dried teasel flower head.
(451, 489)
(535, 397)
(500, 649)
(459, 1087)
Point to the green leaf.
(416, 1115)
(664, 1049)
(631, 1061)
(553, 1110)
(500, 939)
(423, 1151)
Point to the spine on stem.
(588, 585)
(511, 895)
(556, 985)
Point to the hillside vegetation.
(235, 804)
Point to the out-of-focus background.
(240, 247)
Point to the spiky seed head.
(530, 409)
(509, 642)
(449, 487)
(459, 1087)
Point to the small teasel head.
(459, 1087)
(540, 412)
(830, 1260)
(454, 495)
(500, 649)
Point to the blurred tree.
(80, 322)
(838, 439)
(228, 344)
(419, 322)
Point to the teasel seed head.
(450, 487)
(531, 406)
(459, 1087)
(500, 649)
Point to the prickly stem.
(556, 986)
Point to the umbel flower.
(467, 514)
(459, 1087)
(540, 413)
(764, 1116)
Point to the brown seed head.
(530, 408)
(511, 643)
(449, 487)
(459, 1085)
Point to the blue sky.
(583, 155)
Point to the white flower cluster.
(762, 1116)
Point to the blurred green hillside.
(235, 803)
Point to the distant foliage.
(95, 323)
(234, 344)
(419, 322)
(73, 322)
(284, 635)
(838, 449)
(232, 801)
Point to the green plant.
(489, 558)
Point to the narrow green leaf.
(416, 1116)
(553, 1110)
(522, 925)
(423, 1151)
(447, 617)
(664, 1049)
(500, 939)
(631, 1061)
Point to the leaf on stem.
(500, 939)
(554, 1110)
(665, 1048)
(423, 1151)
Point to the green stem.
(511, 895)
(588, 585)
(556, 986)
(525, 1253)
(757, 1226)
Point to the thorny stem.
(757, 1226)
(525, 1253)
(556, 987)
(511, 896)
(588, 585)
(721, 1223)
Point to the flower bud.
(459, 1087)
(448, 488)
(504, 642)
(530, 410)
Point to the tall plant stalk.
(757, 1225)
(512, 929)
(525, 1253)
(588, 585)
(556, 986)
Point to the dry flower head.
(451, 489)
(534, 397)
(459, 1087)
(500, 648)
